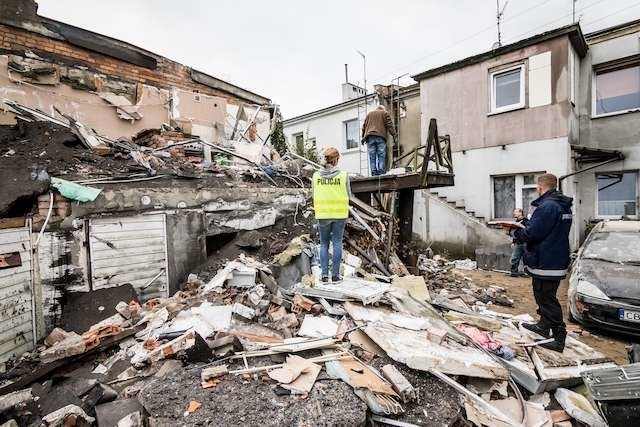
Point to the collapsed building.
(157, 265)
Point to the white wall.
(446, 227)
(474, 168)
(328, 129)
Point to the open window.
(617, 194)
(507, 89)
(616, 90)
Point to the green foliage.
(306, 147)
(278, 140)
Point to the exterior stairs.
(459, 206)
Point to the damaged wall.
(116, 88)
(61, 261)
(85, 106)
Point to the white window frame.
(344, 138)
(597, 198)
(492, 90)
(594, 90)
(519, 186)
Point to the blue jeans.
(331, 230)
(516, 255)
(377, 149)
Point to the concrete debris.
(235, 325)
(400, 384)
(579, 407)
(297, 375)
(69, 415)
(318, 327)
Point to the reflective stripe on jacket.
(331, 196)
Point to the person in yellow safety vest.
(331, 192)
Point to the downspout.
(617, 158)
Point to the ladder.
(363, 155)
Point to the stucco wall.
(617, 132)
(329, 131)
(459, 100)
(447, 228)
(474, 169)
(410, 133)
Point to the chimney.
(346, 73)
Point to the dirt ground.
(519, 289)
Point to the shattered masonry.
(158, 266)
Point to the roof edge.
(573, 31)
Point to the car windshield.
(623, 247)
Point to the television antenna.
(499, 13)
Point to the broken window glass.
(351, 133)
(504, 196)
(617, 90)
(506, 88)
(617, 193)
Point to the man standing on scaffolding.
(375, 128)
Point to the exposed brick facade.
(168, 74)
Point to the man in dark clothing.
(517, 250)
(546, 257)
(374, 133)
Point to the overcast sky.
(294, 51)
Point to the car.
(604, 286)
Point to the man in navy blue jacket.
(546, 257)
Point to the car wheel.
(570, 316)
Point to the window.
(298, 142)
(514, 191)
(507, 89)
(617, 194)
(504, 196)
(351, 132)
(617, 90)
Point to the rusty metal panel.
(16, 304)
(130, 250)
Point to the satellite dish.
(496, 45)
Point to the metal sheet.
(615, 383)
(130, 250)
(16, 303)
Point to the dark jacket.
(547, 237)
(378, 122)
(524, 221)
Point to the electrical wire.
(492, 27)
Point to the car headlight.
(590, 290)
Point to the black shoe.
(516, 274)
(325, 279)
(540, 328)
(336, 279)
(559, 337)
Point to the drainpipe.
(619, 157)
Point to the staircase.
(459, 207)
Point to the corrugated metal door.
(130, 250)
(16, 306)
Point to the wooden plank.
(12, 222)
(45, 369)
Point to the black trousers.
(549, 308)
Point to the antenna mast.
(499, 14)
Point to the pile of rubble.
(269, 343)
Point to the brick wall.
(167, 75)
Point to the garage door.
(130, 250)
(16, 311)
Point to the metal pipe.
(587, 169)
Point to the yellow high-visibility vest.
(330, 196)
